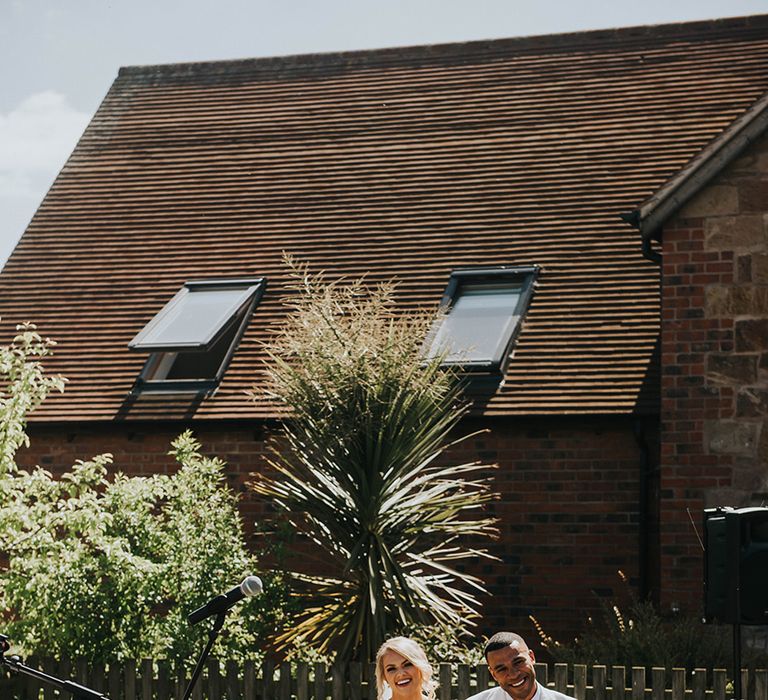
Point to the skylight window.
(483, 310)
(192, 338)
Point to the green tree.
(361, 470)
(24, 387)
(108, 567)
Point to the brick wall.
(568, 509)
(714, 425)
(568, 520)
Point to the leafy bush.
(109, 568)
(24, 387)
(361, 471)
(635, 634)
(442, 645)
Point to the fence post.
(99, 678)
(542, 673)
(444, 691)
(8, 687)
(129, 679)
(163, 679)
(214, 680)
(481, 676)
(561, 678)
(31, 685)
(319, 683)
(761, 685)
(146, 679)
(233, 679)
(302, 681)
(618, 683)
(599, 682)
(658, 683)
(181, 681)
(197, 690)
(337, 682)
(638, 683)
(580, 681)
(65, 667)
(462, 678)
(699, 683)
(49, 667)
(81, 672)
(678, 684)
(284, 689)
(267, 680)
(113, 681)
(249, 680)
(371, 677)
(719, 681)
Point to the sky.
(59, 57)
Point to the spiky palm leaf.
(359, 472)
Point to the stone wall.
(714, 364)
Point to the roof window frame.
(239, 314)
(526, 274)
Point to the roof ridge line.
(442, 50)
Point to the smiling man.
(510, 662)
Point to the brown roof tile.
(401, 163)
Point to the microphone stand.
(212, 635)
(79, 692)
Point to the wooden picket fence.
(157, 680)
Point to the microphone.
(251, 586)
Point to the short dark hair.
(501, 640)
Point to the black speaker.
(736, 565)
(748, 544)
(716, 579)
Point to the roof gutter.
(657, 209)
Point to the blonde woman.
(403, 672)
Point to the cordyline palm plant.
(358, 470)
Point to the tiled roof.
(402, 163)
(742, 133)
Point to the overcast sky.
(59, 57)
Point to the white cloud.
(39, 134)
(36, 138)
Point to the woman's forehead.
(392, 657)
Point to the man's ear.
(533, 656)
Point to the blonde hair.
(410, 650)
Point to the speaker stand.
(737, 661)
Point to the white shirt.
(498, 693)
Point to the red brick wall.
(688, 405)
(568, 509)
(568, 512)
